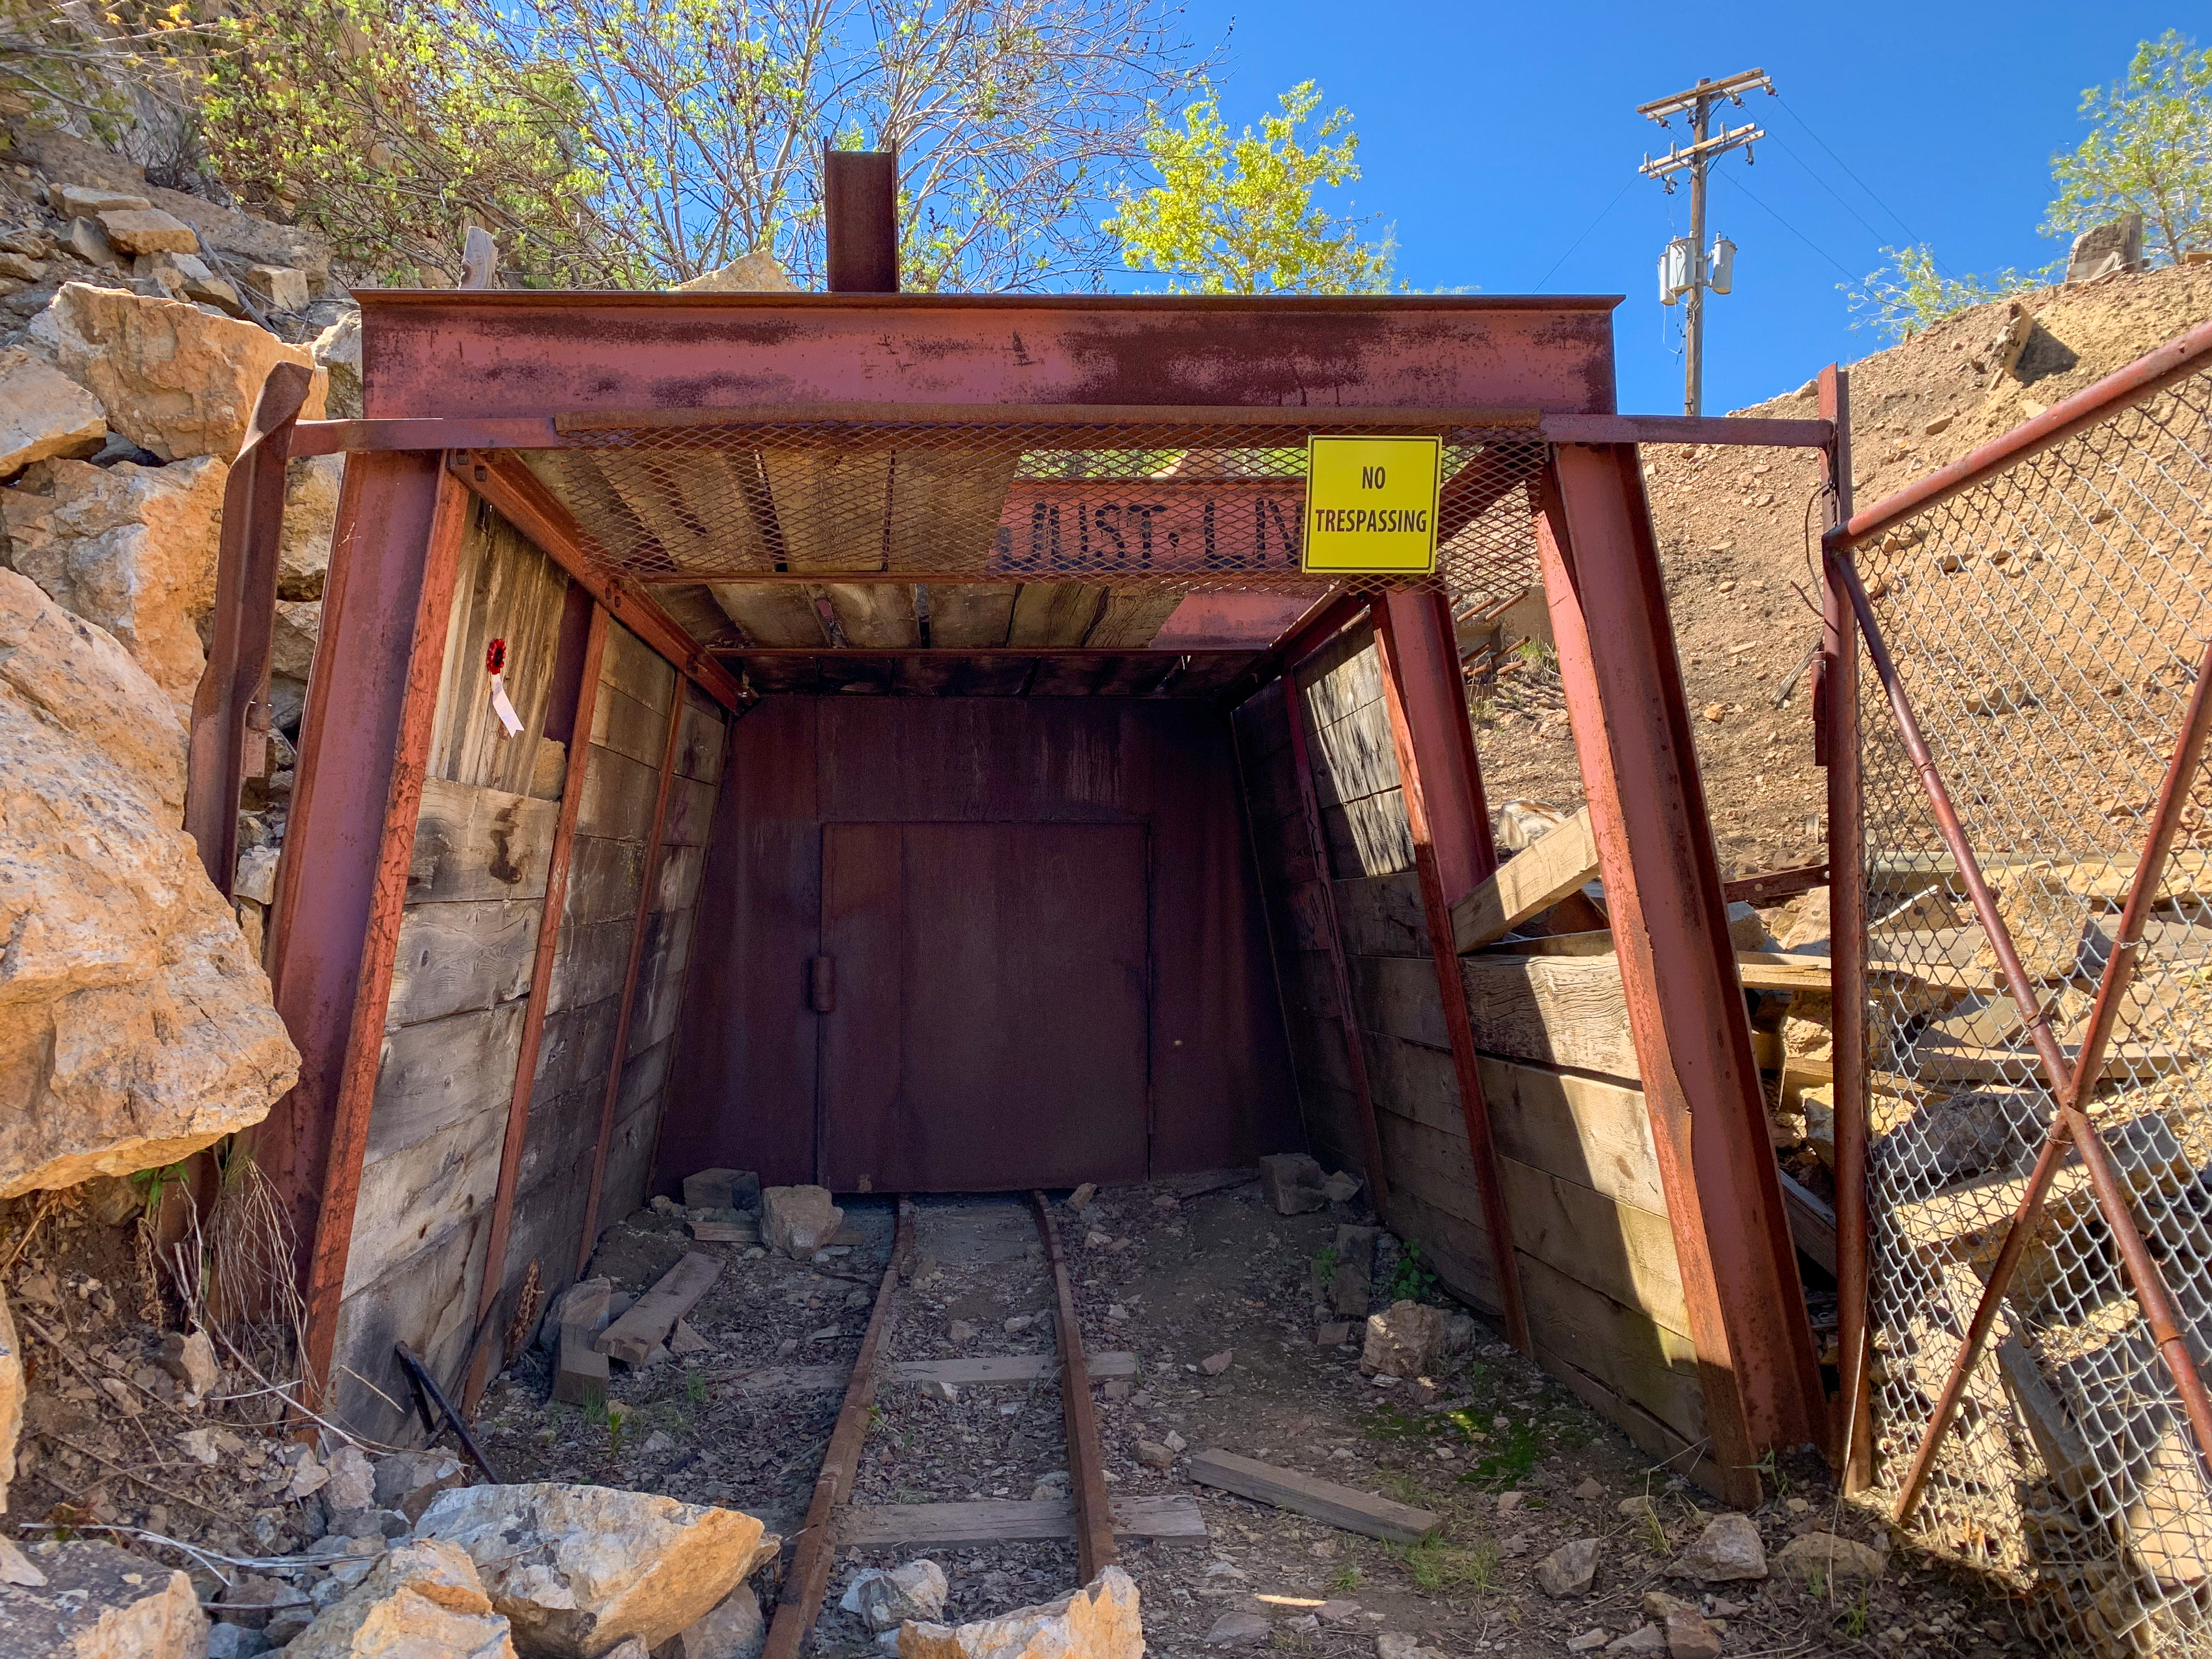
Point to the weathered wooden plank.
(1271, 788)
(945, 500)
(968, 615)
(1285, 854)
(1535, 879)
(472, 844)
(452, 957)
(618, 796)
(505, 589)
(411, 1197)
(676, 883)
(427, 1300)
(1625, 1349)
(878, 614)
(654, 1314)
(1812, 1222)
(635, 669)
(830, 504)
(576, 1047)
(1626, 1252)
(1781, 971)
(954, 1526)
(771, 613)
(690, 813)
(1456, 1248)
(1299, 917)
(563, 1135)
(589, 965)
(1342, 677)
(1398, 997)
(1053, 613)
(1382, 916)
(1354, 757)
(630, 1162)
(621, 723)
(1308, 986)
(643, 1074)
(1368, 836)
(700, 737)
(1304, 1494)
(1593, 942)
(1595, 1133)
(1657, 1439)
(1132, 616)
(1431, 1165)
(441, 1072)
(1263, 724)
(700, 507)
(1561, 1011)
(1318, 1052)
(605, 878)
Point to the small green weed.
(1438, 1567)
(1292, 1641)
(695, 1388)
(1411, 1279)
(1346, 1580)
(1858, 1618)
(1326, 1262)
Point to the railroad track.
(1090, 1515)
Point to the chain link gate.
(2036, 833)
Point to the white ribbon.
(503, 708)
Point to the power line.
(1850, 275)
(1830, 188)
(1584, 237)
(1814, 134)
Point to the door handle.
(822, 984)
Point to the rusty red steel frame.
(1355, 1049)
(1836, 744)
(1687, 1013)
(1452, 852)
(393, 572)
(229, 735)
(629, 1004)
(558, 863)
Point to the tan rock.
(280, 288)
(134, 1025)
(1824, 1555)
(337, 352)
(100, 1602)
(292, 644)
(754, 273)
(311, 512)
(1099, 1621)
(2044, 916)
(735, 1630)
(12, 1391)
(1406, 1341)
(147, 230)
(75, 201)
(421, 1599)
(44, 413)
(578, 1569)
(131, 547)
(171, 377)
(798, 1220)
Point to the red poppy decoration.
(496, 657)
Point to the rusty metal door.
(983, 1011)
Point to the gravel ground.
(1514, 1463)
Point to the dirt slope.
(1736, 530)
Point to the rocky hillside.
(1738, 531)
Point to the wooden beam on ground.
(1782, 971)
(1775, 885)
(1535, 879)
(654, 1314)
(1304, 1494)
(1044, 1520)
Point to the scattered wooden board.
(653, 1315)
(724, 1232)
(1781, 971)
(1812, 1222)
(1304, 1494)
(953, 1526)
(1533, 879)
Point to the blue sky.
(1494, 137)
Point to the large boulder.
(99, 1602)
(44, 413)
(134, 1024)
(171, 377)
(421, 1601)
(577, 1570)
(337, 353)
(129, 548)
(1099, 1621)
(311, 512)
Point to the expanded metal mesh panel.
(2047, 625)
(1146, 513)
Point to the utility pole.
(1686, 270)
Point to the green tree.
(2150, 152)
(1235, 215)
(1908, 292)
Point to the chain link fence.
(2047, 624)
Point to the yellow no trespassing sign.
(1372, 505)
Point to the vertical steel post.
(859, 211)
(1836, 737)
(1685, 1007)
(364, 750)
(557, 864)
(1420, 690)
(230, 706)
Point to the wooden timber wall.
(468, 938)
(1578, 1170)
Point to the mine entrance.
(987, 1008)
